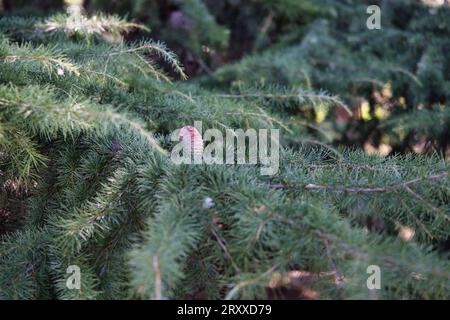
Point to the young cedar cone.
(193, 139)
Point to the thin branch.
(346, 165)
(413, 215)
(259, 231)
(158, 280)
(245, 283)
(387, 260)
(225, 249)
(267, 22)
(324, 145)
(338, 278)
(429, 205)
(311, 186)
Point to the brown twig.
(411, 213)
(258, 232)
(245, 283)
(429, 205)
(158, 280)
(338, 278)
(264, 28)
(345, 165)
(385, 259)
(225, 249)
(312, 186)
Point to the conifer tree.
(85, 125)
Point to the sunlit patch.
(321, 113)
(381, 113)
(365, 111)
(435, 3)
(296, 284)
(420, 146)
(382, 149)
(405, 233)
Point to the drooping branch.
(287, 96)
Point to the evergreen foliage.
(85, 124)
